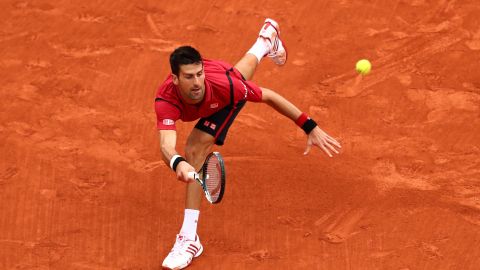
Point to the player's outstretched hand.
(321, 139)
(183, 169)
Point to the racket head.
(213, 177)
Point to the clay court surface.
(82, 184)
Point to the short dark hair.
(184, 55)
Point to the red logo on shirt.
(214, 105)
(213, 126)
(168, 122)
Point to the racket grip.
(192, 175)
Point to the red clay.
(81, 181)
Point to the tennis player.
(215, 92)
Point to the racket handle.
(192, 175)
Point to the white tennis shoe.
(271, 32)
(183, 252)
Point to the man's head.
(187, 72)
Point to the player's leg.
(247, 65)
(199, 145)
(268, 44)
(208, 131)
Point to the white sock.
(189, 227)
(260, 48)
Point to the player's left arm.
(316, 136)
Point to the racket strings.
(213, 178)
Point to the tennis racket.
(211, 177)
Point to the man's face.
(191, 82)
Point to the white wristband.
(173, 160)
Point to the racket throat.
(207, 194)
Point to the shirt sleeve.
(167, 115)
(254, 93)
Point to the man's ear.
(175, 79)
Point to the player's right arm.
(168, 141)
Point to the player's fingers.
(331, 147)
(325, 150)
(335, 142)
(184, 178)
(307, 150)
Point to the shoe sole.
(273, 24)
(286, 54)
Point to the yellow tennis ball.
(363, 67)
